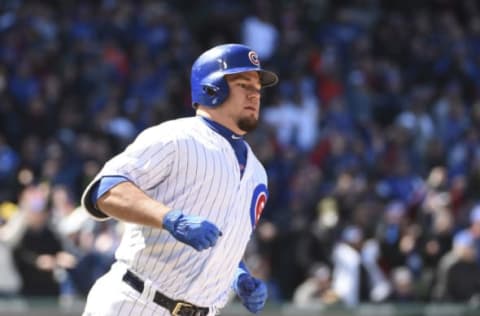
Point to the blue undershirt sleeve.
(105, 184)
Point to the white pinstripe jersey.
(184, 164)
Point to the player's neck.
(222, 120)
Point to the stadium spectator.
(38, 254)
(356, 275)
(316, 290)
(459, 274)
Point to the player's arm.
(119, 190)
(126, 202)
(116, 196)
(252, 291)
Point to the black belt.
(176, 308)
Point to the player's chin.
(248, 123)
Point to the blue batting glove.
(194, 231)
(252, 292)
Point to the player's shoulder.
(173, 129)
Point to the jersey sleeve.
(146, 162)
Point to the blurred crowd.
(371, 140)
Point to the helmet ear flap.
(214, 90)
(210, 90)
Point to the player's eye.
(249, 88)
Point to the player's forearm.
(127, 202)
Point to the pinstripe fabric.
(188, 166)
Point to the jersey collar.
(229, 135)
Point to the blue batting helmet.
(208, 84)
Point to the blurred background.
(371, 142)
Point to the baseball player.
(190, 192)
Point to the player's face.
(242, 106)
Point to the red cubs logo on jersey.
(259, 199)
(252, 55)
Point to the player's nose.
(254, 93)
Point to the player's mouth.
(250, 108)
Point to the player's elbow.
(114, 202)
